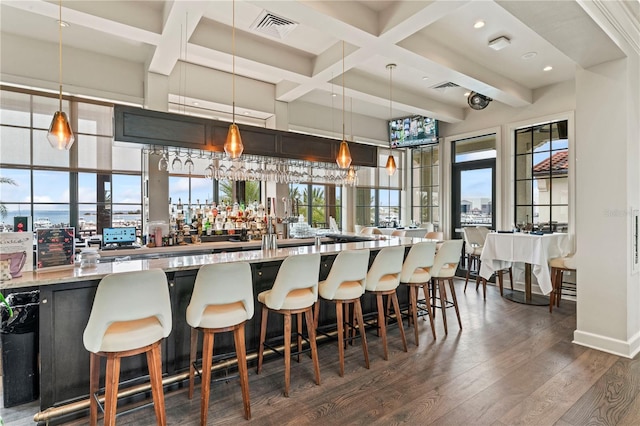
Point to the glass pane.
(21, 191)
(476, 148)
(87, 214)
(126, 215)
(435, 218)
(15, 109)
(201, 190)
(126, 189)
(523, 166)
(50, 187)
(87, 188)
(44, 154)
(43, 110)
(225, 191)
(435, 192)
(421, 197)
(541, 164)
(95, 119)
(524, 192)
(435, 174)
(560, 191)
(366, 176)
(524, 215)
(560, 215)
(94, 152)
(13, 210)
(252, 192)
(475, 197)
(16, 145)
(415, 176)
(426, 176)
(50, 215)
(179, 189)
(524, 140)
(541, 214)
(124, 158)
(435, 159)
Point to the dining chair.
(218, 307)
(559, 265)
(121, 326)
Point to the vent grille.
(273, 25)
(444, 86)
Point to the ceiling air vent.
(444, 86)
(273, 25)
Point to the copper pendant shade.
(344, 155)
(233, 145)
(60, 135)
(391, 165)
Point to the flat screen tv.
(413, 131)
(119, 236)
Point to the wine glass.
(188, 164)
(163, 164)
(176, 164)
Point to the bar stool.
(382, 280)
(473, 244)
(216, 307)
(294, 291)
(415, 274)
(558, 266)
(443, 270)
(131, 329)
(344, 286)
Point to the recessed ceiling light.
(63, 24)
(246, 113)
(466, 94)
(425, 78)
(529, 55)
(547, 68)
(334, 95)
(196, 103)
(478, 24)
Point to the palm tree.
(3, 208)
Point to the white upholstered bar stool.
(558, 266)
(473, 244)
(415, 275)
(344, 286)
(131, 314)
(294, 291)
(383, 279)
(442, 271)
(222, 300)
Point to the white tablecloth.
(410, 232)
(500, 250)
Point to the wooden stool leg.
(347, 320)
(466, 280)
(511, 277)
(443, 303)
(500, 282)
(559, 286)
(381, 324)
(205, 387)
(192, 359)
(111, 389)
(263, 336)
(154, 361)
(425, 290)
(314, 346)
(341, 339)
(396, 308)
(455, 301)
(316, 314)
(357, 307)
(287, 352)
(94, 379)
(552, 295)
(299, 333)
(413, 307)
(241, 351)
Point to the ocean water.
(60, 218)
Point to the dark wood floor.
(511, 364)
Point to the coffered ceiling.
(299, 47)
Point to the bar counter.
(66, 297)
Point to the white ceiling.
(431, 42)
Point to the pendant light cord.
(233, 63)
(60, 51)
(343, 138)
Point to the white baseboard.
(626, 349)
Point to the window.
(316, 203)
(425, 184)
(94, 185)
(378, 194)
(541, 176)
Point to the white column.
(607, 190)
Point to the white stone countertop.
(182, 261)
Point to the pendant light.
(391, 162)
(60, 135)
(233, 146)
(344, 156)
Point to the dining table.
(500, 250)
